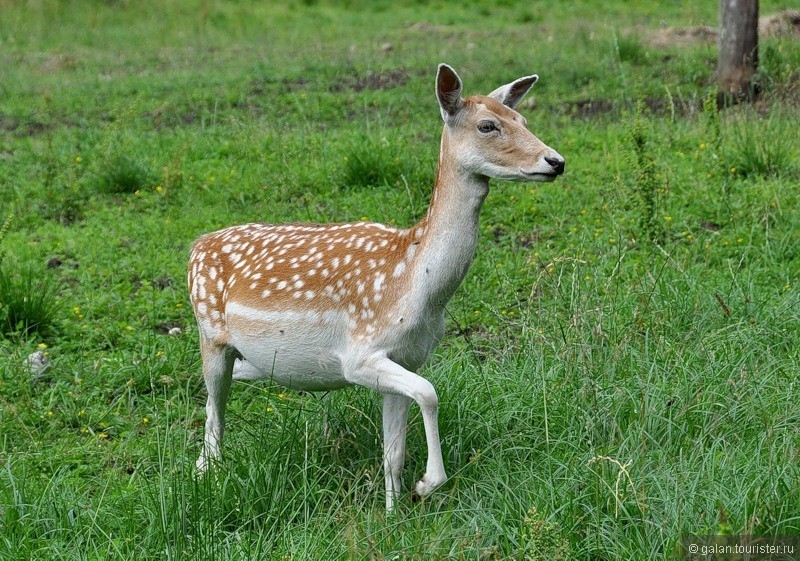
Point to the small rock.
(174, 331)
(37, 364)
(386, 47)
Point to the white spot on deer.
(377, 286)
(399, 269)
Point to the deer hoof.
(426, 485)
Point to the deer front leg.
(217, 369)
(395, 417)
(388, 377)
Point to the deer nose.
(557, 164)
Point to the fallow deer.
(326, 306)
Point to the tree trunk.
(738, 51)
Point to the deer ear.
(511, 94)
(448, 92)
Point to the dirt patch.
(22, 130)
(58, 62)
(683, 36)
(426, 27)
(374, 81)
(8, 124)
(289, 84)
(782, 24)
(171, 117)
(589, 108)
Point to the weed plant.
(646, 186)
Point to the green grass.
(600, 396)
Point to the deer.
(319, 307)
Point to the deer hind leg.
(395, 417)
(388, 377)
(217, 370)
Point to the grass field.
(621, 365)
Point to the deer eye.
(487, 126)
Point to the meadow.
(621, 364)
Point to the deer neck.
(449, 230)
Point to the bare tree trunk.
(738, 51)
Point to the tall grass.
(762, 146)
(28, 293)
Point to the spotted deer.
(326, 306)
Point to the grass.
(762, 146)
(600, 397)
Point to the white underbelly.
(298, 350)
